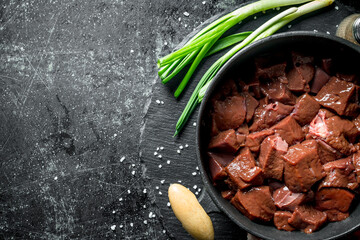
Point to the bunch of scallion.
(208, 41)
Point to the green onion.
(264, 30)
(199, 45)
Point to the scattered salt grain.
(155, 153)
(337, 7)
(122, 159)
(315, 30)
(157, 101)
(161, 148)
(113, 211)
(196, 193)
(179, 19)
(255, 17)
(131, 224)
(195, 186)
(160, 193)
(115, 135)
(337, 25)
(194, 173)
(159, 156)
(131, 51)
(289, 26)
(129, 191)
(179, 181)
(168, 161)
(120, 199)
(133, 165)
(185, 25)
(121, 226)
(145, 221)
(186, 145)
(194, 124)
(113, 227)
(55, 178)
(181, 147)
(168, 204)
(157, 149)
(160, 166)
(327, 32)
(197, 168)
(144, 190)
(186, 14)
(150, 214)
(144, 206)
(162, 181)
(162, 102)
(178, 151)
(203, 2)
(165, 43)
(164, 231)
(157, 187)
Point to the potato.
(190, 213)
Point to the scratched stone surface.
(78, 91)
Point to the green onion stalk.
(204, 41)
(267, 29)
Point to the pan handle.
(207, 203)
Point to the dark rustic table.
(86, 146)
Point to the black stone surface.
(79, 120)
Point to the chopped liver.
(255, 203)
(270, 159)
(340, 173)
(302, 168)
(336, 95)
(281, 220)
(289, 130)
(229, 113)
(307, 218)
(225, 141)
(333, 198)
(243, 168)
(284, 141)
(306, 109)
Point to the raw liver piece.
(326, 152)
(356, 162)
(302, 168)
(307, 218)
(327, 65)
(289, 130)
(335, 131)
(268, 115)
(302, 73)
(320, 79)
(251, 104)
(256, 203)
(287, 200)
(336, 95)
(333, 198)
(275, 72)
(306, 108)
(253, 140)
(229, 88)
(340, 173)
(334, 215)
(281, 220)
(217, 170)
(270, 159)
(225, 141)
(228, 194)
(222, 158)
(277, 91)
(300, 59)
(243, 167)
(229, 113)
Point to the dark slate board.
(161, 119)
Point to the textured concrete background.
(76, 81)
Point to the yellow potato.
(190, 213)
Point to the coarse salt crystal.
(168, 161)
(160, 166)
(113, 227)
(337, 7)
(196, 193)
(203, 2)
(162, 181)
(55, 178)
(162, 102)
(120, 199)
(181, 147)
(194, 124)
(194, 173)
(129, 191)
(113, 211)
(144, 206)
(164, 231)
(131, 51)
(121, 226)
(133, 165)
(160, 193)
(186, 145)
(161, 148)
(255, 17)
(168, 204)
(131, 224)
(179, 19)
(150, 214)
(186, 14)
(289, 26)
(144, 190)
(195, 187)
(327, 32)
(133, 172)
(157, 101)
(197, 168)
(122, 159)
(315, 30)
(157, 149)
(157, 187)
(179, 181)
(178, 151)
(159, 156)
(145, 221)
(155, 153)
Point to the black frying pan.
(345, 53)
